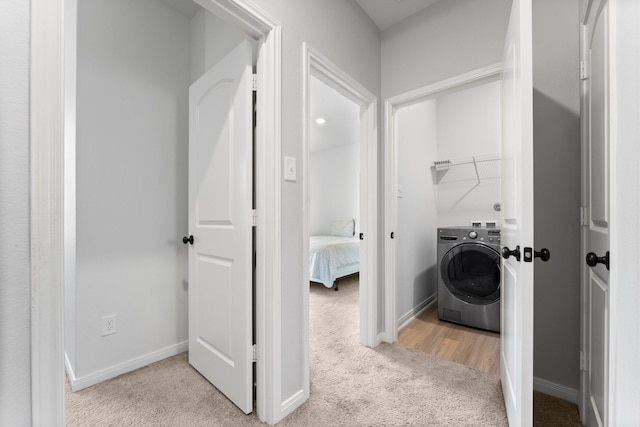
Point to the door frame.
(319, 66)
(624, 193)
(391, 106)
(52, 124)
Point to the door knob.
(186, 240)
(593, 259)
(530, 254)
(506, 253)
(544, 254)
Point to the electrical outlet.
(109, 324)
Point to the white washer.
(469, 276)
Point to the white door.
(516, 352)
(220, 208)
(596, 194)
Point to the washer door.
(471, 272)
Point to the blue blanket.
(329, 255)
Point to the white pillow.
(342, 228)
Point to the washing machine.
(469, 276)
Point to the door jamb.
(391, 106)
(52, 71)
(322, 68)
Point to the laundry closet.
(448, 175)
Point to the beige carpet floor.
(351, 385)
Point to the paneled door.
(220, 223)
(516, 352)
(595, 60)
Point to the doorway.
(322, 71)
(422, 195)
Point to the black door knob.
(186, 240)
(593, 259)
(544, 254)
(506, 253)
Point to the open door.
(596, 192)
(516, 352)
(220, 212)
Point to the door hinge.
(254, 218)
(583, 362)
(254, 82)
(254, 354)
(584, 215)
(583, 70)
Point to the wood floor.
(471, 347)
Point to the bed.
(334, 256)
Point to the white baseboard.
(291, 404)
(122, 368)
(555, 390)
(415, 312)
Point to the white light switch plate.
(290, 169)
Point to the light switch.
(290, 169)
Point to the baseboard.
(69, 369)
(291, 404)
(413, 313)
(122, 368)
(555, 390)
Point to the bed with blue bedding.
(333, 257)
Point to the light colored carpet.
(351, 385)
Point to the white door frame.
(624, 201)
(391, 106)
(317, 65)
(52, 113)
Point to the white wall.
(15, 369)
(446, 39)
(342, 32)
(133, 75)
(556, 135)
(416, 237)
(469, 125)
(334, 187)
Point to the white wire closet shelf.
(444, 165)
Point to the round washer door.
(471, 272)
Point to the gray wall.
(444, 40)
(15, 370)
(415, 240)
(131, 182)
(556, 135)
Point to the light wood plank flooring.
(468, 346)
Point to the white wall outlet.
(109, 324)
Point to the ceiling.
(385, 13)
(342, 117)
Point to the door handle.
(186, 240)
(593, 259)
(506, 253)
(529, 254)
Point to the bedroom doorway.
(340, 191)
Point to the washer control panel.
(486, 235)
